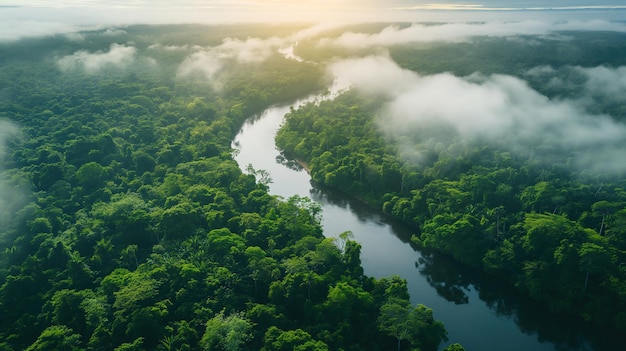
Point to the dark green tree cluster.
(136, 229)
(557, 236)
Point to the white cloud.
(11, 198)
(19, 19)
(159, 46)
(598, 88)
(496, 109)
(605, 81)
(13, 29)
(456, 32)
(209, 61)
(374, 75)
(118, 56)
(541, 71)
(113, 32)
(204, 62)
(250, 50)
(7, 130)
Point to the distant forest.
(125, 223)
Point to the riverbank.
(470, 304)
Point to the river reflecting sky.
(478, 312)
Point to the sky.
(70, 12)
(323, 4)
(467, 4)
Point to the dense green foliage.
(555, 233)
(127, 225)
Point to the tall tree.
(398, 318)
(227, 333)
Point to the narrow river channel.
(477, 312)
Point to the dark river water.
(477, 312)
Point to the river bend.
(477, 312)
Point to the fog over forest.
(34, 18)
(493, 132)
(497, 109)
(11, 196)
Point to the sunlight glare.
(300, 10)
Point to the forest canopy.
(126, 224)
(510, 163)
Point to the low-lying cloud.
(7, 130)
(209, 61)
(497, 109)
(609, 83)
(159, 46)
(464, 31)
(11, 198)
(203, 62)
(32, 18)
(596, 88)
(118, 56)
(11, 29)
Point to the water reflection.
(462, 285)
(363, 212)
(291, 164)
(454, 282)
(457, 284)
(452, 286)
(479, 312)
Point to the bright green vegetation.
(556, 233)
(557, 238)
(127, 225)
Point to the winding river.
(477, 312)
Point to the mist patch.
(499, 110)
